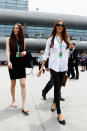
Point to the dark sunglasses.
(62, 25)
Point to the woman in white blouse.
(56, 50)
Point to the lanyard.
(18, 46)
(60, 44)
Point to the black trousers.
(57, 79)
(77, 71)
(48, 86)
(70, 69)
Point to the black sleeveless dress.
(19, 70)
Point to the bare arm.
(46, 55)
(8, 54)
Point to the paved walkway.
(74, 108)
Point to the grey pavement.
(40, 118)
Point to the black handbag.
(28, 60)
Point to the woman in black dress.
(15, 51)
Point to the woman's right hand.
(22, 54)
(47, 69)
(10, 65)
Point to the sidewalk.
(74, 108)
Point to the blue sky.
(73, 7)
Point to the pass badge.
(18, 54)
(60, 54)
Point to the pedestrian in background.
(15, 51)
(40, 57)
(83, 61)
(57, 51)
(74, 62)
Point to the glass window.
(11, 4)
(3, 1)
(2, 30)
(20, 6)
(12, 1)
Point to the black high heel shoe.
(62, 122)
(53, 109)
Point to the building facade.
(39, 25)
(35, 31)
(44, 32)
(14, 4)
(5, 30)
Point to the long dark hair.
(64, 34)
(12, 40)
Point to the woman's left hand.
(22, 54)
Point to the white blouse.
(55, 62)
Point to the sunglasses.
(62, 25)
